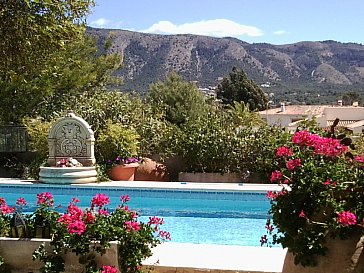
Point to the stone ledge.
(210, 177)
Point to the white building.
(351, 117)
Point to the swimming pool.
(191, 216)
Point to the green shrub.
(211, 144)
(258, 148)
(38, 141)
(117, 141)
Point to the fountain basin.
(67, 175)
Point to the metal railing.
(13, 139)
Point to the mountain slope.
(308, 66)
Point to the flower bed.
(79, 235)
(18, 255)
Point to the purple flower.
(131, 160)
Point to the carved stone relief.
(71, 136)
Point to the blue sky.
(253, 21)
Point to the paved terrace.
(192, 258)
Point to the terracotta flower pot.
(123, 172)
(343, 256)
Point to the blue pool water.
(191, 216)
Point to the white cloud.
(102, 22)
(280, 32)
(105, 23)
(216, 27)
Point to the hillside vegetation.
(305, 71)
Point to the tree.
(350, 97)
(179, 100)
(79, 71)
(238, 87)
(32, 29)
(242, 116)
(32, 35)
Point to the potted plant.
(118, 148)
(318, 214)
(122, 169)
(94, 239)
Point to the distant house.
(288, 116)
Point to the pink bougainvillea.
(109, 269)
(275, 176)
(284, 151)
(302, 138)
(359, 158)
(329, 147)
(293, 164)
(346, 218)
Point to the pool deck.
(192, 258)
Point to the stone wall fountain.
(71, 152)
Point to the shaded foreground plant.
(88, 233)
(322, 194)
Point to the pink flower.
(164, 235)
(2, 201)
(90, 218)
(359, 158)
(130, 225)
(125, 198)
(155, 221)
(75, 212)
(269, 227)
(109, 269)
(21, 202)
(65, 219)
(327, 182)
(275, 176)
(5, 209)
(126, 208)
(293, 164)
(284, 151)
(103, 212)
(302, 214)
(100, 200)
(346, 218)
(271, 195)
(45, 198)
(76, 227)
(75, 200)
(282, 192)
(263, 240)
(329, 147)
(302, 138)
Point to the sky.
(253, 21)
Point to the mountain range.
(303, 72)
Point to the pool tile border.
(136, 192)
